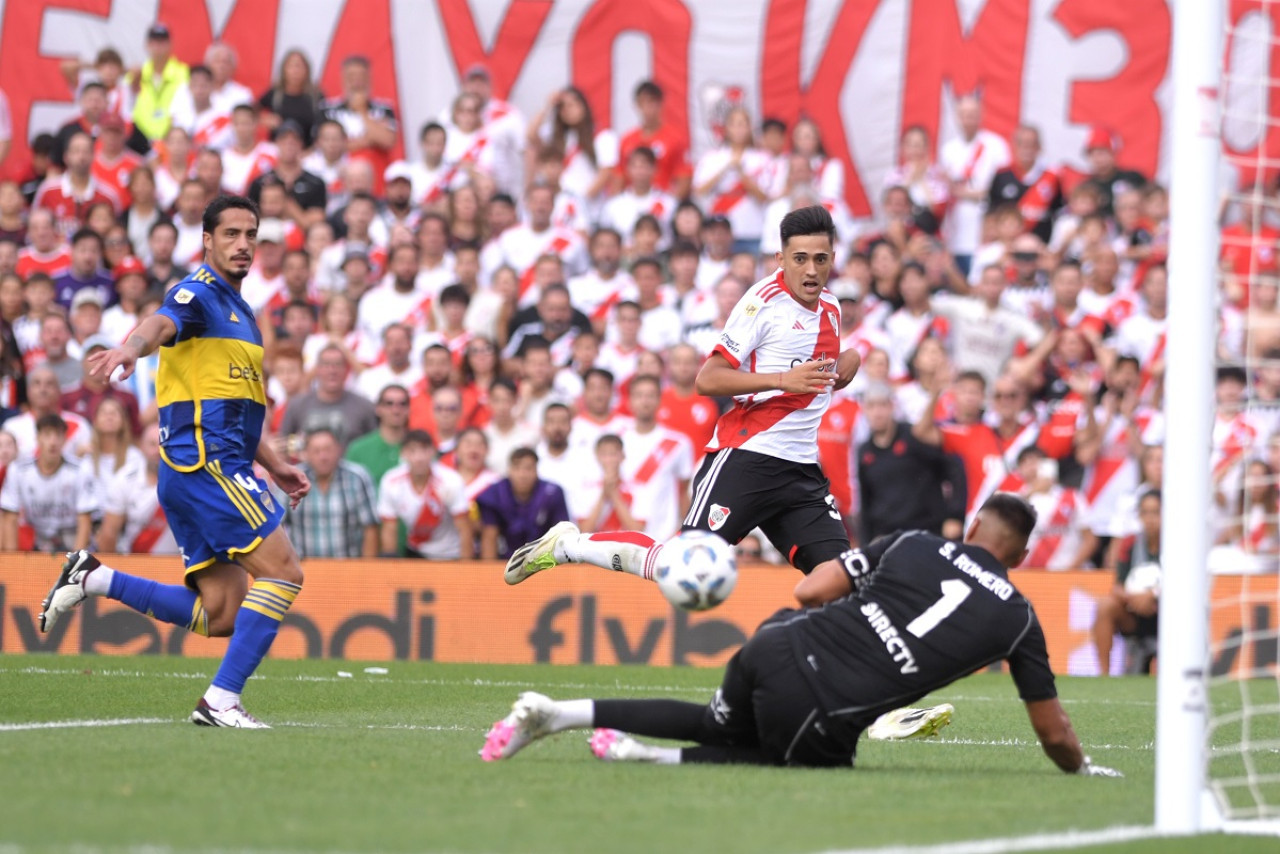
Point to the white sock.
(98, 582)
(221, 699)
(665, 755)
(573, 714)
(621, 551)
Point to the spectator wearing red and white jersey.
(1250, 247)
(598, 414)
(194, 110)
(970, 161)
(328, 159)
(1105, 175)
(913, 321)
(521, 246)
(247, 157)
(1143, 334)
(504, 432)
(1055, 542)
(658, 462)
(1125, 425)
(112, 162)
(589, 153)
(605, 284)
(1030, 183)
(305, 193)
(189, 222)
(925, 181)
(705, 336)
(370, 123)
(396, 368)
(727, 181)
(46, 250)
(604, 501)
(132, 520)
(69, 196)
(980, 447)
(673, 173)
(44, 397)
(660, 325)
(639, 197)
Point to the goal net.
(1237, 119)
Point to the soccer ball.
(696, 570)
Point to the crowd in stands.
(503, 332)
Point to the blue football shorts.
(217, 512)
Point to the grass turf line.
(388, 763)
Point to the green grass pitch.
(389, 763)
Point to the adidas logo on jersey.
(234, 319)
(798, 325)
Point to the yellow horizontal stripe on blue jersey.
(266, 612)
(210, 369)
(250, 512)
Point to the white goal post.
(1187, 738)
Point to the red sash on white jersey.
(1046, 547)
(1237, 443)
(1034, 204)
(428, 518)
(727, 201)
(151, 533)
(1156, 354)
(471, 155)
(655, 459)
(420, 314)
(974, 157)
(555, 247)
(210, 130)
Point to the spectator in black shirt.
(307, 194)
(905, 484)
(293, 97)
(1104, 175)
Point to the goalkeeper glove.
(1088, 769)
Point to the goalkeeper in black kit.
(915, 613)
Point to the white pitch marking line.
(1040, 842)
(19, 727)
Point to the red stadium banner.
(863, 70)
(456, 612)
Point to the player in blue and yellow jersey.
(241, 571)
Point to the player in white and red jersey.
(1060, 512)
(429, 498)
(658, 462)
(248, 157)
(779, 359)
(133, 520)
(522, 245)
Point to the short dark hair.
(251, 109)
(162, 223)
(1128, 360)
(455, 293)
(814, 219)
(1231, 373)
(394, 387)
(429, 127)
(94, 84)
(200, 69)
(323, 431)
(502, 382)
(556, 406)
(640, 379)
(649, 88)
(1013, 511)
(608, 439)
(972, 376)
(418, 437)
(213, 211)
(1030, 451)
(607, 376)
(644, 152)
(771, 123)
(647, 261)
(523, 453)
(87, 234)
(51, 421)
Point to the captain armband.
(857, 567)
